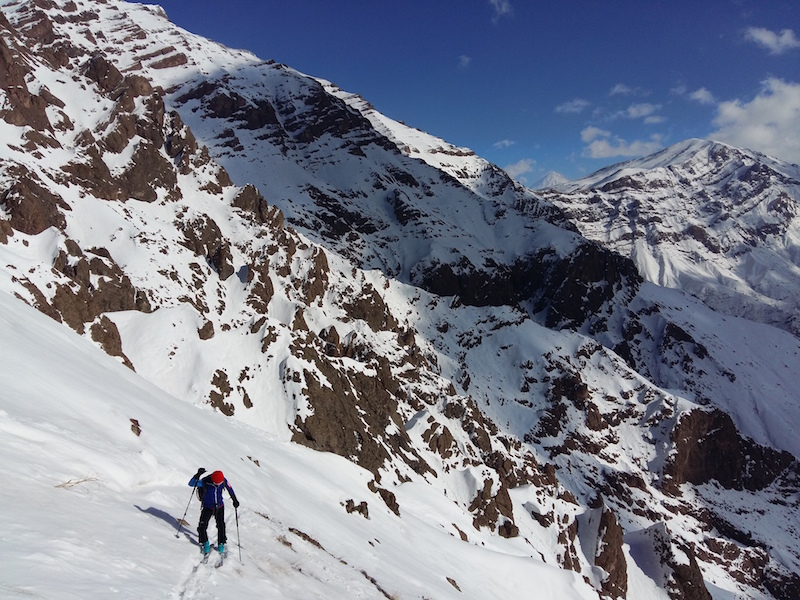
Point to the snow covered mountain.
(551, 179)
(720, 222)
(96, 459)
(428, 382)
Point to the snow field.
(95, 506)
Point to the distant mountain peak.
(718, 221)
(551, 179)
(684, 153)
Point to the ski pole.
(238, 540)
(182, 520)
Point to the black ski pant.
(205, 517)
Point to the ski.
(203, 561)
(204, 555)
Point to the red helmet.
(217, 477)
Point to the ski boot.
(205, 547)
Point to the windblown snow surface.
(91, 509)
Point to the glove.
(200, 471)
(235, 503)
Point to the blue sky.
(564, 85)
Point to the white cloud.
(575, 106)
(770, 123)
(601, 144)
(643, 110)
(679, 90)
(776, 43)
(519, 168)
(592, 132)
(703, 96)
(621, 89)
(503, 144)
(501, 8)
(638, 111)
(654, 119)
(464, 61)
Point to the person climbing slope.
(209, 490)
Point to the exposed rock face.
(6, 231)
(678, 572)
(328, 115)
(206, 332)
(250, 200)
(708, 446)
(80, 301)
(148, 171)
(204, 238)
(222, 390)
(781, 584)
(224, 104)
(33, 208)
(491, 506)
(24, 108)
(573, 292)
(583, 288)
(181, 144)
(370, 307)
(149, 168)
(103, 73)
(687, 581)
(350, 427)
(610, 557)
(105, 333)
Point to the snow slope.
(92, 507)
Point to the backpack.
(201, 489)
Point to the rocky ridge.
(716, 221)
(365, 289)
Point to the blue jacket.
(211, 494)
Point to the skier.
(210, 489)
